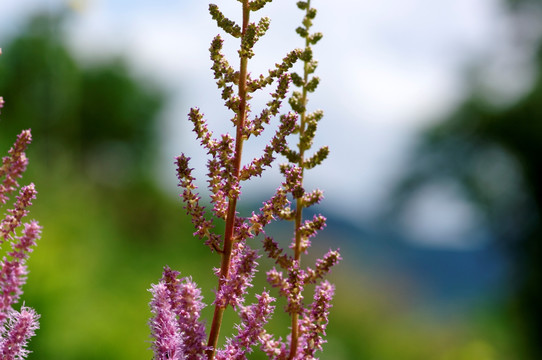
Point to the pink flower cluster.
(16, 327)
(176, 328)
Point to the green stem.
(232, 204)
(294, 336)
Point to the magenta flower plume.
(20, 210)
(21, 326)
(253, 319)
(24, 244)
(313, 325)
(167, 342)
(12, 278)
(16, 327)
(192, 204)
(274, 349)
(308, 230)
(243, 267)
(323, 266)
(186, 303)
(14, 165)
(294, 290)
(13, 269)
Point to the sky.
(388, 69)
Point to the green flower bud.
(306, 55)
(314, 38)
(223, 22)
(317, 158)
(258, 4)
(312, 84)
(296, 79)
(302, 32)
(302, 5)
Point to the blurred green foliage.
(108, 230)
(97, 116)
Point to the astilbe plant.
(176, 329)
(16, 326)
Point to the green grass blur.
(101, 249)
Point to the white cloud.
(440, 216)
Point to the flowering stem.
(232, 204)
(299, 201)
(294, 337)
(298, 218)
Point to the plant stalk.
(294, 336)
(232, 204)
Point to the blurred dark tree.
(494, 153)
(99, 117)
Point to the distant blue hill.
(446, 278)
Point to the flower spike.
(16, 327)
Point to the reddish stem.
(294, 336)
(232, 204)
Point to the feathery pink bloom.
(167, 342)
(12, 278)
(13, 269)
(14, 165)
(21, 326)
(243, 267)
(253, 319)
(186, 303)
(274, 349)
(16, 328)
(20, 210)
(313, 325)
(323, 266)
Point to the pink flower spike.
(274, 349)
(253, 318)
(313, 325)
(21, 327)
(13, 271)
(13, 220)
(14, 165)
(167, 342)
(12, 278)
(243, 267)
(23, 246)
(186, 303)
(324, 265)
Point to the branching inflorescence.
(16, 326)
(177, 331)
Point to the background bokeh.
(441, 242)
